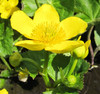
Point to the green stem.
(46, 55)
(73, 67)
(33, 62)
(6, 63)
(38, 5)
(18, 39)
(57, 82)
(45, 76)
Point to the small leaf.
(29, 7)
(6, 38)
(4, 73)
(97, 34)
(97, 38)
(65, 8)
(37, 56)
(59, 61)
(90, 8)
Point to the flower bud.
(71, 79)
(82, 51)
(79, 52)
(15, 59)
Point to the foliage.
(6, 38)
(57, 67)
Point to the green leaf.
(90, 9)
(82, 66)
(79, 82)
(37, 56)
(6, 38)
(65, 8)
(29, 7)
(2, 83)
(50, 69)
(58, 61)
(4, 73)
(97, 34)
(62, 89)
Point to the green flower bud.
(71, 79)
(82, 51)
(15, 59)
(79, 52)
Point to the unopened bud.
(15, 59)
(79, 52)
(71, 79)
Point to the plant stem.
(33, 62)
(45, 76)
(57, 82)
(37, 4)
(46, 55)
(6, 63)
(73, 67)
(91, 48)
(18, 39)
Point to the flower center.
(48, 33)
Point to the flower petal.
(13, 3)
(30, 44)
(22, 23)
(5, 14)
(64, 47)
(87, 44)
(3, 91)
(46, 13)
(73, 26)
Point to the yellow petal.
(30, 44)
(22, 23)
(13, 3)
(86, 54)
(14, 9)
(5, 14)
(64, 47)
(46, 13)
(73, 26)
(3, 91)
(87, 44)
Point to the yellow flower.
(82, 51)
(46, 31)
(23, 75)
(3, 91)
(7, 7)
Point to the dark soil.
(35, 86)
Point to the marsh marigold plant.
(7, 7)
(46, 31)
